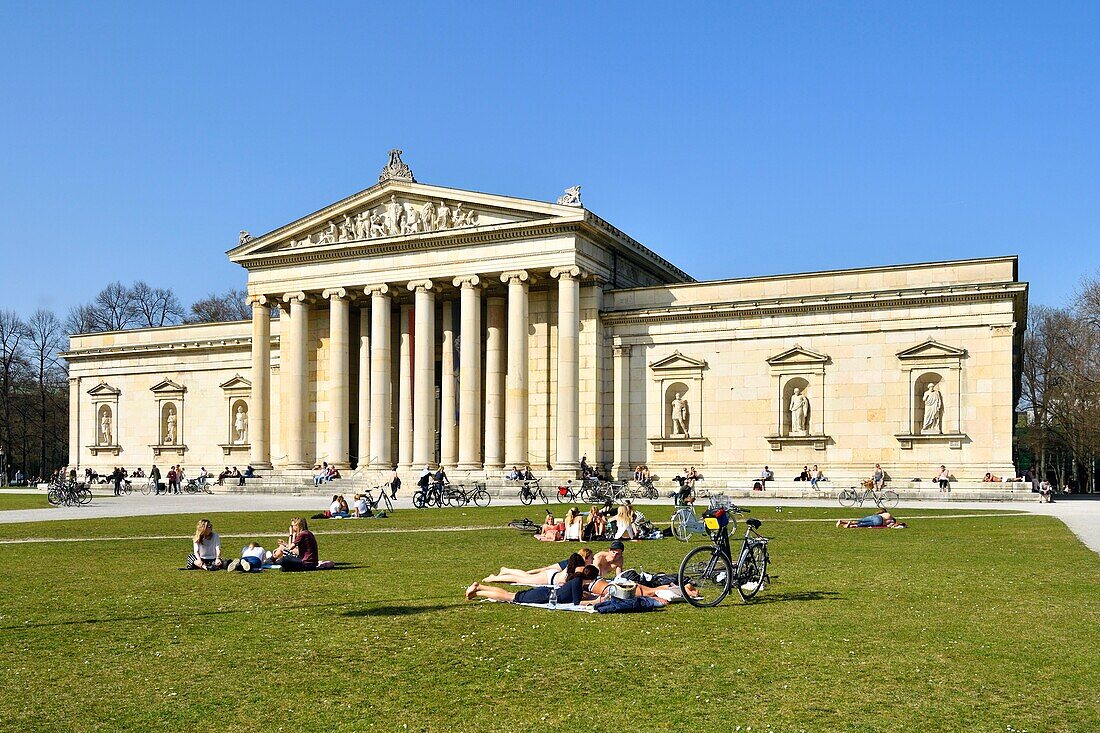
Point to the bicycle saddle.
(754, 523)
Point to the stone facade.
(419, 323)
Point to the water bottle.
(553, 596)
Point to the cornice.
(903, 298)
(243, 343)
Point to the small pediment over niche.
(798, 355)
(931, 349)
(104, 390)
(236, 383)
(167, 386)
(677, 361)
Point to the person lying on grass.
(251, 559)
(206, 548)
(550, 574)
(665, 593)
(574, 590)
(881, 518)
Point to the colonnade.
(491, 428)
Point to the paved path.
(1081, 515)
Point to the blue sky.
(734, 139)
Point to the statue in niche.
(105, 428)
(571, 197)
(377, 225)
(240, 425)
(800, 413)
(394, 213)
(679, 416)
(427, 216)
(170, 428)
(933, 411)
(442, 216)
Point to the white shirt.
(209, 548)
(361, 505)
(334, 508)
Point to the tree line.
(34, 388)
(1058, 435)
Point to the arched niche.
(802, 384)
(105, 426)
(171, 422)
(238, 395)
(238, 421)
(931, 362)
(920, 386)
(673, 375)
(678, 413)
(104, 405)
(802, 369)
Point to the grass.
(967, 624)
(23, 501)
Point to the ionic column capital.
(510, 275)
(299, 296)
(376, 289)
(334, 293)
(466, 281)
(255, 300)
(570, 272)
(418, 285)
(621, 349)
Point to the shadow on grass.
(395, 607)
(794, 596)
(160, 617)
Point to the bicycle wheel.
(587, 495)
(482, 497)
(680, 529)
(54, 495)
(847, 498)
(84, 496)
(709, 574)
(385, 499)
(418, 500)
(564, 497)
(889, 499)
(750, 573)
(543, 496)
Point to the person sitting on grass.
(362, 507)
(595, 525)
(881, 518)
(573, 590)
(539, 576)
(624, 520)
(251, 559)
(552, 530)
(206, 548)
(610, 561)
(574, 524)
(300, 553)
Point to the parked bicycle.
(569, 493)
(686, 522)
(711, 570)
(382, 502)
(883, 498)
(461, 496)
(68, 493)
(531, 490)
(197, 486)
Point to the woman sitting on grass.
(624, 520)
(540, 576)
(301, 552)
(573, 590)
(207, 548)
(552, 530)
(574, 524)
(595, 525)
(881, 518)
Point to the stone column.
(259, 409)
(296, 372)
(494, 382)
(448, 446)
(621, 409)
(74, 422)
(362, 448)
(380, 454)
(515, 442)
(405, 393)
(569, 334)
(424, 423)
(339, 384)
(469, 402)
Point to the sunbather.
(573, 590)
(538, 576)
(881, 518)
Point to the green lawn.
(967, 624)
(23, 501)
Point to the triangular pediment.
(398, 210)
(798, 355)
(104, 389)
(167, 386)
(931, 349)
(236, 382)
(676, 360)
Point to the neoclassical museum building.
(413, 324)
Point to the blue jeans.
(875, 520)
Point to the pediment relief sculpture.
(395, 217)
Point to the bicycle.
(883, 498)
(531, 490)
(711, 570)
(68, 493)
(197, 486)
(684, 520)
(567, 494)
(383, 501)
(461, 496)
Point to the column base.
(573, 466)
(469, 467)
(298, 464)
(261, 465)
(493, 466)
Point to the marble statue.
(362, 225)
(240, 425)
(396, 169)
(412, 220)
(105, 428)
(800, 413)
(571, 197)
(347, 229)
(377, 225)
(442, 216)
(328, 236)
(679, 415)
(427, 216)
(394, 212)
(933, 412)
(244, 237)
(170, 428)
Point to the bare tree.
(114, 308)
(45, 339)
(229, 306)
(13, 336)
(154, 307)
(81, 319)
